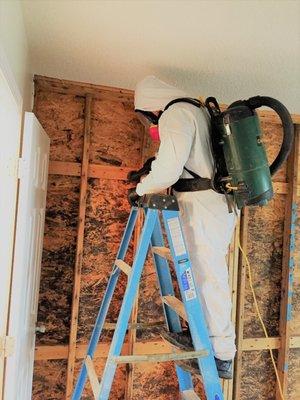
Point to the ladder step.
(176, 305)
(92, 376)
(132, 359)
(163, 252)
(189, 395)
(123, 266)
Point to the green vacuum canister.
(246, 158)
(242, 167)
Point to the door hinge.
(7, 345)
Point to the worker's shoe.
(181, 340)
(224, 368)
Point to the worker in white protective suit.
(184, 132)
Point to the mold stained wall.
(117, 139)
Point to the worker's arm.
(177, 130)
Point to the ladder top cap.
(160, 202)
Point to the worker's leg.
(208, 229)
(215, 296)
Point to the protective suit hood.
(152, 94)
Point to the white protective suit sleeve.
(177, 131)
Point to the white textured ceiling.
(229, 49)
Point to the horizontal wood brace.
(81, 89)
(163, 252)
(60, 352)
(261, 343)
(94, 170)
(132, 359)
(176, 305)
(92, 376)
(123, 266)
(68, 168)
(283, 188)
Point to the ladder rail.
(105, 303)
(127, 304)
(164, 279)
(166, 288)
(191, 300)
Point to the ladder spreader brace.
(189, 309)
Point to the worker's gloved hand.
(133, 197)
(135, 176)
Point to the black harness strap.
(184, 184)
(197, 182)
(192, 184)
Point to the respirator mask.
(150, 121)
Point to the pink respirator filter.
(154, 133)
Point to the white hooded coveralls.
(206, 222)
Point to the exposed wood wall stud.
(288, 266)
(134, 316)
(79, 248)
(240, 307)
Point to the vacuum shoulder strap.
(196, 183)
(195, 102)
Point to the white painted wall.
(15, 97)
(14, 50)
(231, 49)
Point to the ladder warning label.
(176, 235)
(188, 285)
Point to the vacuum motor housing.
(245, 156)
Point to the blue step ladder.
(190, 309)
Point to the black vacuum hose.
(287, 124)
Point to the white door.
(10, 138)
(33, 173)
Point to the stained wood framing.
(79, 248)
(64, 86)
(120, 173)
(133, 319)
(94, 170)
(240, 307)
(288, 266)
(261, 343)
(233, 266)
(60, 352)
(117, 94)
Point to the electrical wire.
(249, 270)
